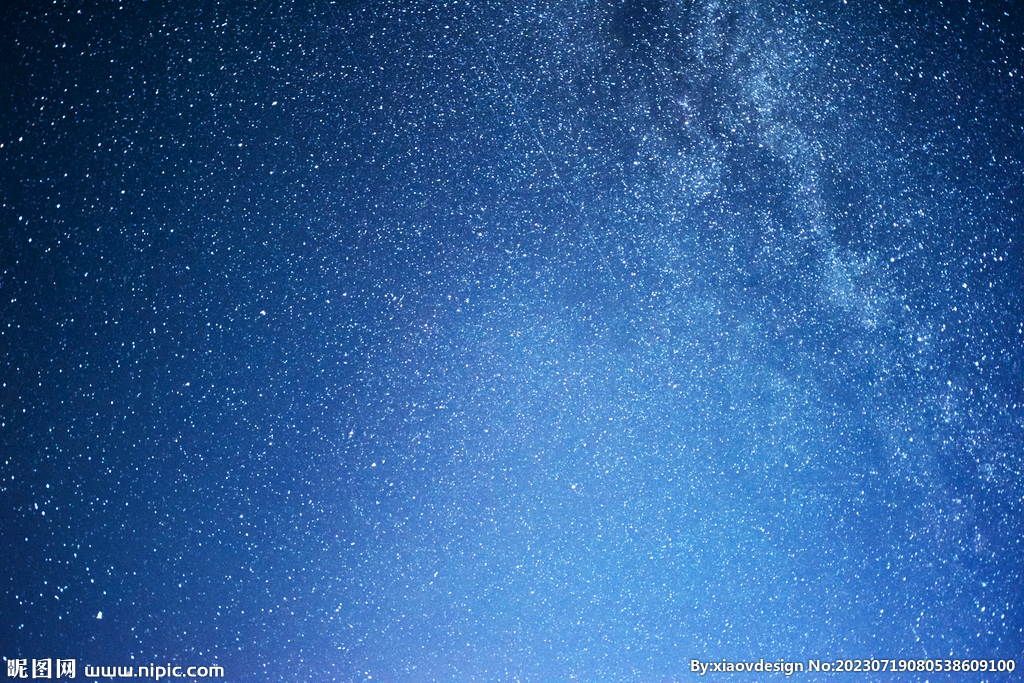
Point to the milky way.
(511, 341)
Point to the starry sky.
(510, 341)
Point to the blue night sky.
(526, 341)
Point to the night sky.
(511, 341)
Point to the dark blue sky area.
(519, 341)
